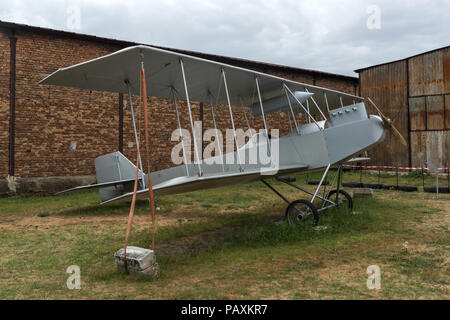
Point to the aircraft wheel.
(299, 210)
(344, 200)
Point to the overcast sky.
(327, 35)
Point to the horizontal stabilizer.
(114, 167)
(115, 176)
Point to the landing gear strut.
(301, 210)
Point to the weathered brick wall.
(4, 104)
(336, 84)
(50, 118)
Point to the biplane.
(337, 129)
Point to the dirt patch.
(64, 221)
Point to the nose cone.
(377, 119)
(380, 131)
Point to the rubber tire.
(307, 203)
(407, 188)
(345, 194)
(288, 178)
(401, 188)
(316, 182)
(353, 185)
(433, 189)
(373, 185)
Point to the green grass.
(227, 243)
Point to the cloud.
(328, 35)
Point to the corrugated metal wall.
(429, 108)
(387, 86)
(415, 90)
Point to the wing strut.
(262, 109)
(217, 132)
(181, 132)
(200, 173)
(134, 128)
(232, 120)
(304, 109)
(245, 113)
(317, 106)
(292, 110)
(307, 107)
(326, 102)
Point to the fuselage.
(310, 147)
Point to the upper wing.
(163, 72)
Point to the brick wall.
(50, 119)
(339, 85)
(4, 104)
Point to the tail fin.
(115, 167)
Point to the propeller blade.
(389, 125)
(385, 119)
(397, 133)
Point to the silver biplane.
(338, 127)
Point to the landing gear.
(341, 201)
(299, 210)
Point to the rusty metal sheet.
(418, 149)
(386, 85)
(435, 112)
(415, 70)
(446, 67)
(397, 93)
(433, 75)
(437, 147)
(447, 148)
(430, 147)
(418, 113)
(447, 111)
(429, 74)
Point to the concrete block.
(140, 261)
(4, 187)
(46, 185)
(362, 193)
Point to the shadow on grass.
(178, 243)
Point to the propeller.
(389, 125)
